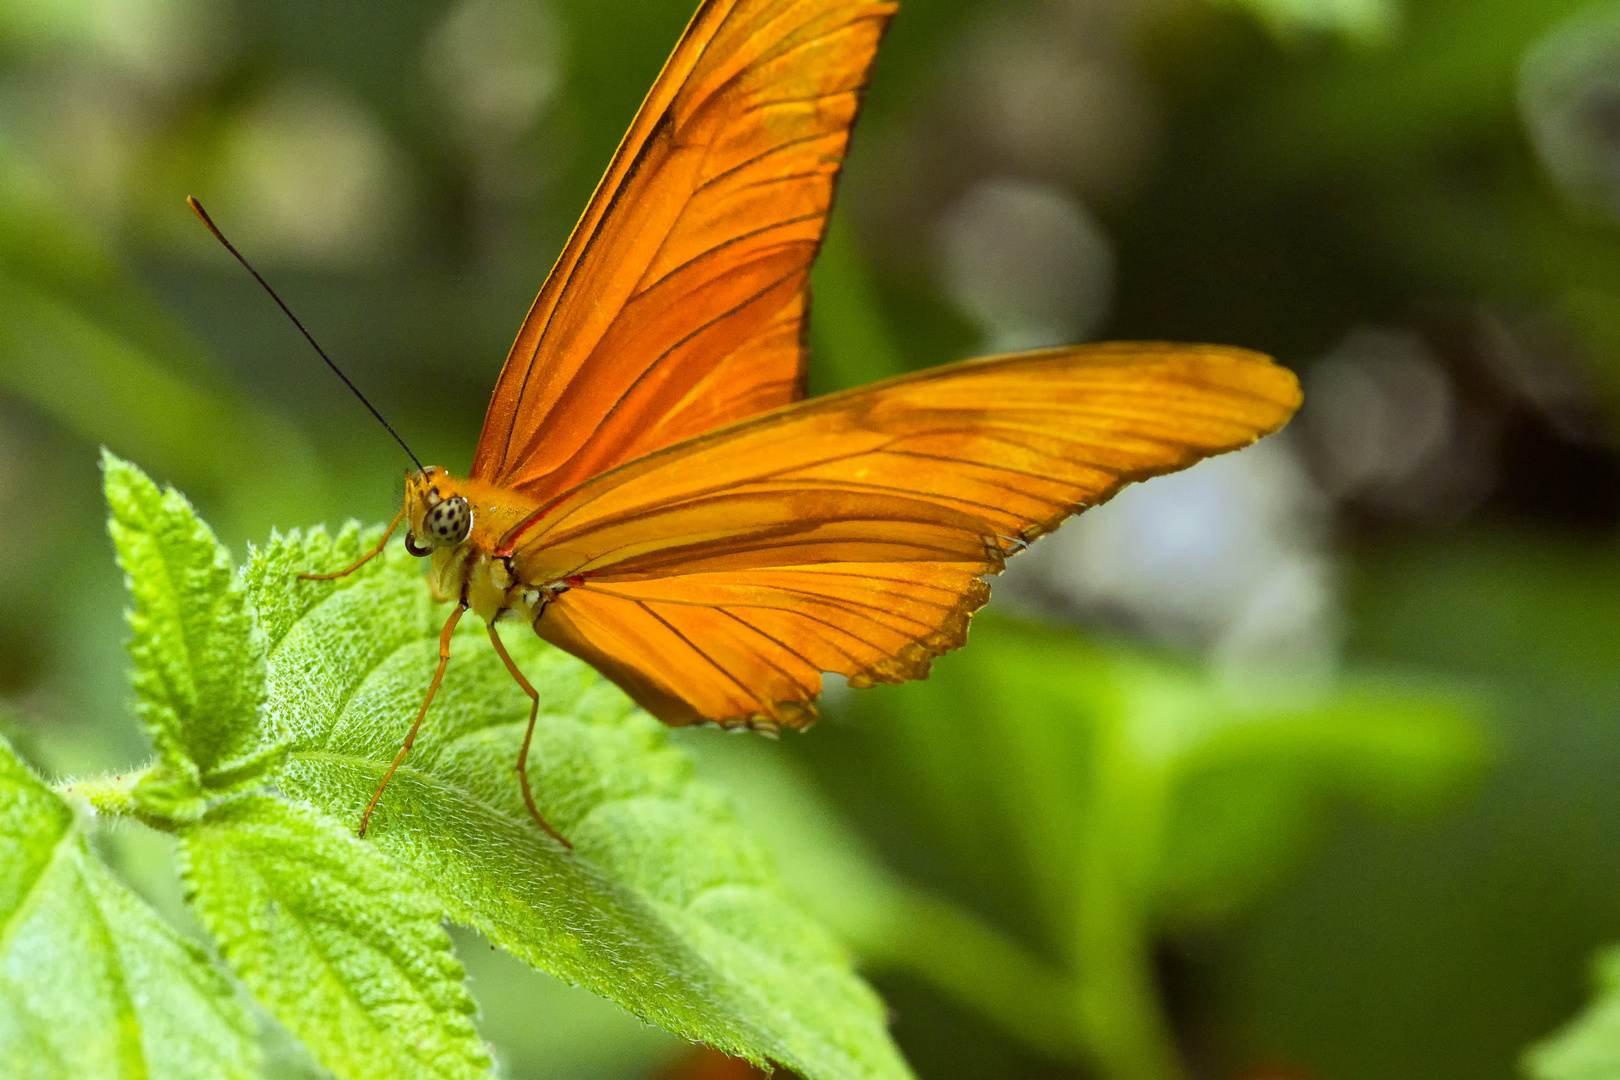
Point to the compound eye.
(448, 522)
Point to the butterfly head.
(439, 516)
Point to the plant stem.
(111, 795)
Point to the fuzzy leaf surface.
(198, 658)
(92, 983)
(336, 941)
(666, 906)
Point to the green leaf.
(1120, 797)
(199, 660)
(92, 983)
(1589, 1047)
(889, 922)
(338, 943)
(666, 906)
(1251, 792)
(543, 1029)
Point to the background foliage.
(1299, 764)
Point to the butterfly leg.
(523, 754)
(367, 557)
(433, 688)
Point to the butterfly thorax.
(461, 524)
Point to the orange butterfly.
(649, 492)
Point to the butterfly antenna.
(197, 208)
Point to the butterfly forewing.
(722, 575)
(679, 302)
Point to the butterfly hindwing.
(750, 646)
(718, 578)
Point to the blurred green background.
(1301, 764)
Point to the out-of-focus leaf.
(103, 387)
(84, 344)
(335, 941)
(890, 923)
(665, 906)
(1125, 797)
(1589, 1047)
(1462, 940)
(46, 244)
(1250, 798)
(1484, 605)
(92, 983)
(1566, 85)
